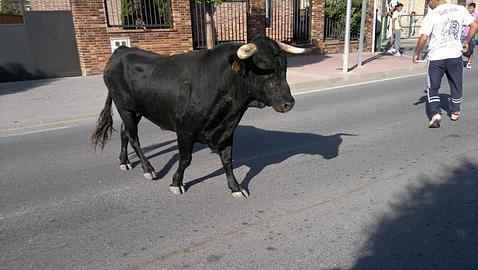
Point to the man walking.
(443, 26)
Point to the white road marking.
(357, 84)
(39, 131)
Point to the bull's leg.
(125, 164)
(225, 152)
(131, 120)
(185, 145)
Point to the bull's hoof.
(126, 167)
(240, 194)
(149, 175)
(178, 190)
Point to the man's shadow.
(444, 103)
(258, 148)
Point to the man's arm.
(471, 34)
(420, 44)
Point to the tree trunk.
(209, 26)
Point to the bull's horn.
(246, 50)
(291, 49)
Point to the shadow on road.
(435, 225)
(15, 79)
(258, 148)
(368, 60)
(444, 104)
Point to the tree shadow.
(444, 104)
(257, 149)
(434, 226)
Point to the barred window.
(138, 14)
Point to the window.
(116, 42)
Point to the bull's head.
(267, 65)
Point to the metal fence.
(137, 14)
(411, 24)
(335, 30)
(229, 22)
(12, 8)
(288, 20)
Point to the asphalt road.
(352, 178)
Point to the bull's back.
(133, 78)
(149, 84)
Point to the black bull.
(201, 95)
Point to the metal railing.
(138, 14)
(411, 24)
(229, 22)
(11, 11)
(335, 30)
(12, 7)
(289, 20)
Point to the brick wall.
(93, 35)
(37, 5)
(256, 18)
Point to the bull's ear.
(291, 49)
(246, 51)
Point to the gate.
(288, 20)
(40, 45)
(229, 22)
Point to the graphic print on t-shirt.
(450, 31)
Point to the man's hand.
(465, 46)
(416, 60)
(393, 32)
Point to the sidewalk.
(43, 104)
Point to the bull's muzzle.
(284, 106)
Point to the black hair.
(472, 5)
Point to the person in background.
(443, 26)
(397, 28)
(413, 22)
(464, 34)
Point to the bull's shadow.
(258, 148)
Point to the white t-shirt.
(444, 26)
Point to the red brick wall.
(35, 5)
(256, 23)
(318, 24)
(93, 35)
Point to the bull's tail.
(104, 126)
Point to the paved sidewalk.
(43, 104)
